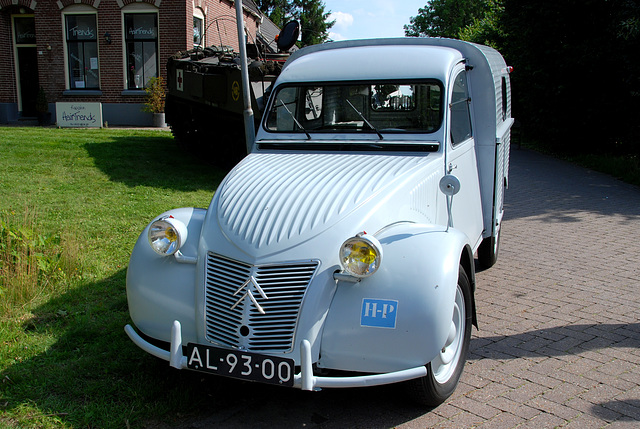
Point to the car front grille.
(234, 321)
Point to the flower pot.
(158, 120)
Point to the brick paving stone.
(478, 408)
(502, 421)
(515, 408)
(554, 408)
(542, 421)
(586, 421)
(623, 424)
(558, 343)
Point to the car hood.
(275, 201)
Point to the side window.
(141, 41)
(198, 27)
(82, 51)
(505, 98)
(460, 115)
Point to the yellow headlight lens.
(361, 255)
(167, 235)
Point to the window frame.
(129, 81)
(455, 103)
(199, 14)
(77, 10)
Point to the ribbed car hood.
(282, 199)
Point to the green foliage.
(73, 204)
(447, 18)
(310, 13)
(313, 21)
(32, 264)
(156, 91)
(486, 28)
(575, 86)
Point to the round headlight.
(167, 235)
(361, 255)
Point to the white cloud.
(343, 20)
(336, 37)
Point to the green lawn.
(72, 204)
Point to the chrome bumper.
(305, 380)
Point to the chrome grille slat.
(285, 286)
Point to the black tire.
(442, 378)
(488, 251)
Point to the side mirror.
(288, 36)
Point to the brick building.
(103, 50)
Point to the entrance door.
(26, 63)
(28, 76)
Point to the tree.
(575, 82)
(310, 13)
(446, 18)
(313, 21)
(278, 11)
(486, 29)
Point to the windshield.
(379, 108)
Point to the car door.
(461, 159)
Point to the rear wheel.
(445, 370)
(488, 251)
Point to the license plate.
(243, 365)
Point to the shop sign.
(79, 115)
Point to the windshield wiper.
(365, 120)
(295, 120)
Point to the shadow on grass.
(156, 162)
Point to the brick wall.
(8, 91)
(175, 26)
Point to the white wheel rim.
(444, 365)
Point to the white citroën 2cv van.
(345, 240)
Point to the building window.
(141, 40)
(197, 31)
(82, 51)
(25, 30)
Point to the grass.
(73, 204)
(625, 168)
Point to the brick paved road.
(559, 338)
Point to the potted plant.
(42, 108)
(156, 91)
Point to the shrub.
(156, 91)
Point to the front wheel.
(445, 370)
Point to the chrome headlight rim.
(167, 235)
(360, 269)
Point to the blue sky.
(360, 19)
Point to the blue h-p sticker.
(379, 313)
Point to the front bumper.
(305, 380)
